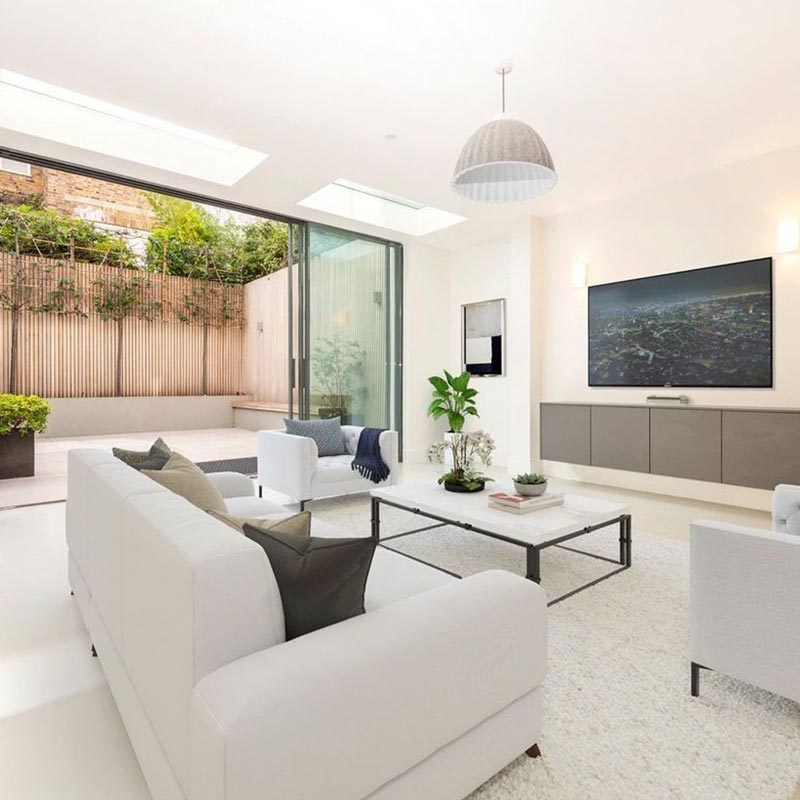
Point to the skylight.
(50, 112)
(355, 201)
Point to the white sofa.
(744, 607)
(427, 695)
(292, 465)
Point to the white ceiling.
(626, 93)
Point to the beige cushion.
(298, 524)
(187, 479)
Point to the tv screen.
(703, 327)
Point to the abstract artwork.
(483, 333)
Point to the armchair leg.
(533, 751)
(302, 505)
(260, 490)
(94, 652)
(696, 678)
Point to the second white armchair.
(292, 465)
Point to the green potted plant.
(530, 484)
(453, 397)
(463, 447)
(21, 416)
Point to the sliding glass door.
(346, 302)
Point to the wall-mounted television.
(702, 327)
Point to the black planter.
(461, 489)
(16, 455)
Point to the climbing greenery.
(30, 229)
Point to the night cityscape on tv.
(703, 327)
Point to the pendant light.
(504, 160)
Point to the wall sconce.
(788, 235)
(579, 275)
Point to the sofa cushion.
(321, 580)
(297, 524)
(335, 468)
(154, 458)
(185, 478)
(327, 433)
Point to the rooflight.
(345, 198)
(50, 112)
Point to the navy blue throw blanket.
(368, 459)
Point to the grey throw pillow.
(327, 433)
(154, 458)
(321, 581)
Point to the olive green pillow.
(297, 524)
(185, 478)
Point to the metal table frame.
(533, 551)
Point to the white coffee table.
(550, 527)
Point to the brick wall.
(100, 201)
(18, 188)
(79, 196)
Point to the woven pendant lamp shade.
(503, 161)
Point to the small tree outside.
(206, 305)
(337, 366)
(18, 294)
(118, 297)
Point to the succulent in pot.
(530, 484)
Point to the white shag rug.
(619, 720)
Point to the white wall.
(83, 416)
(729, 214)
(500, 269)
(426, 346)
(437, 283)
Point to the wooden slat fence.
(67, 349)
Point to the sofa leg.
(533, 751)
(94, 652)
(71, 593)
(302, 505)
(696, 679)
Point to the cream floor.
(60, 734)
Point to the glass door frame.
(299, 332)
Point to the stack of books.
(522, 504)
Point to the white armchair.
(744, 615)
(291, 465)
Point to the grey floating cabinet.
(621, 438)
(753, 447)
(760, 449)
(686, 444)
(565, 433)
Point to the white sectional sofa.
(437, 687)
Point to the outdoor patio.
(49, 485)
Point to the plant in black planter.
(464, 476)
(21, 416)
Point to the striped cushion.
(327, 433)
